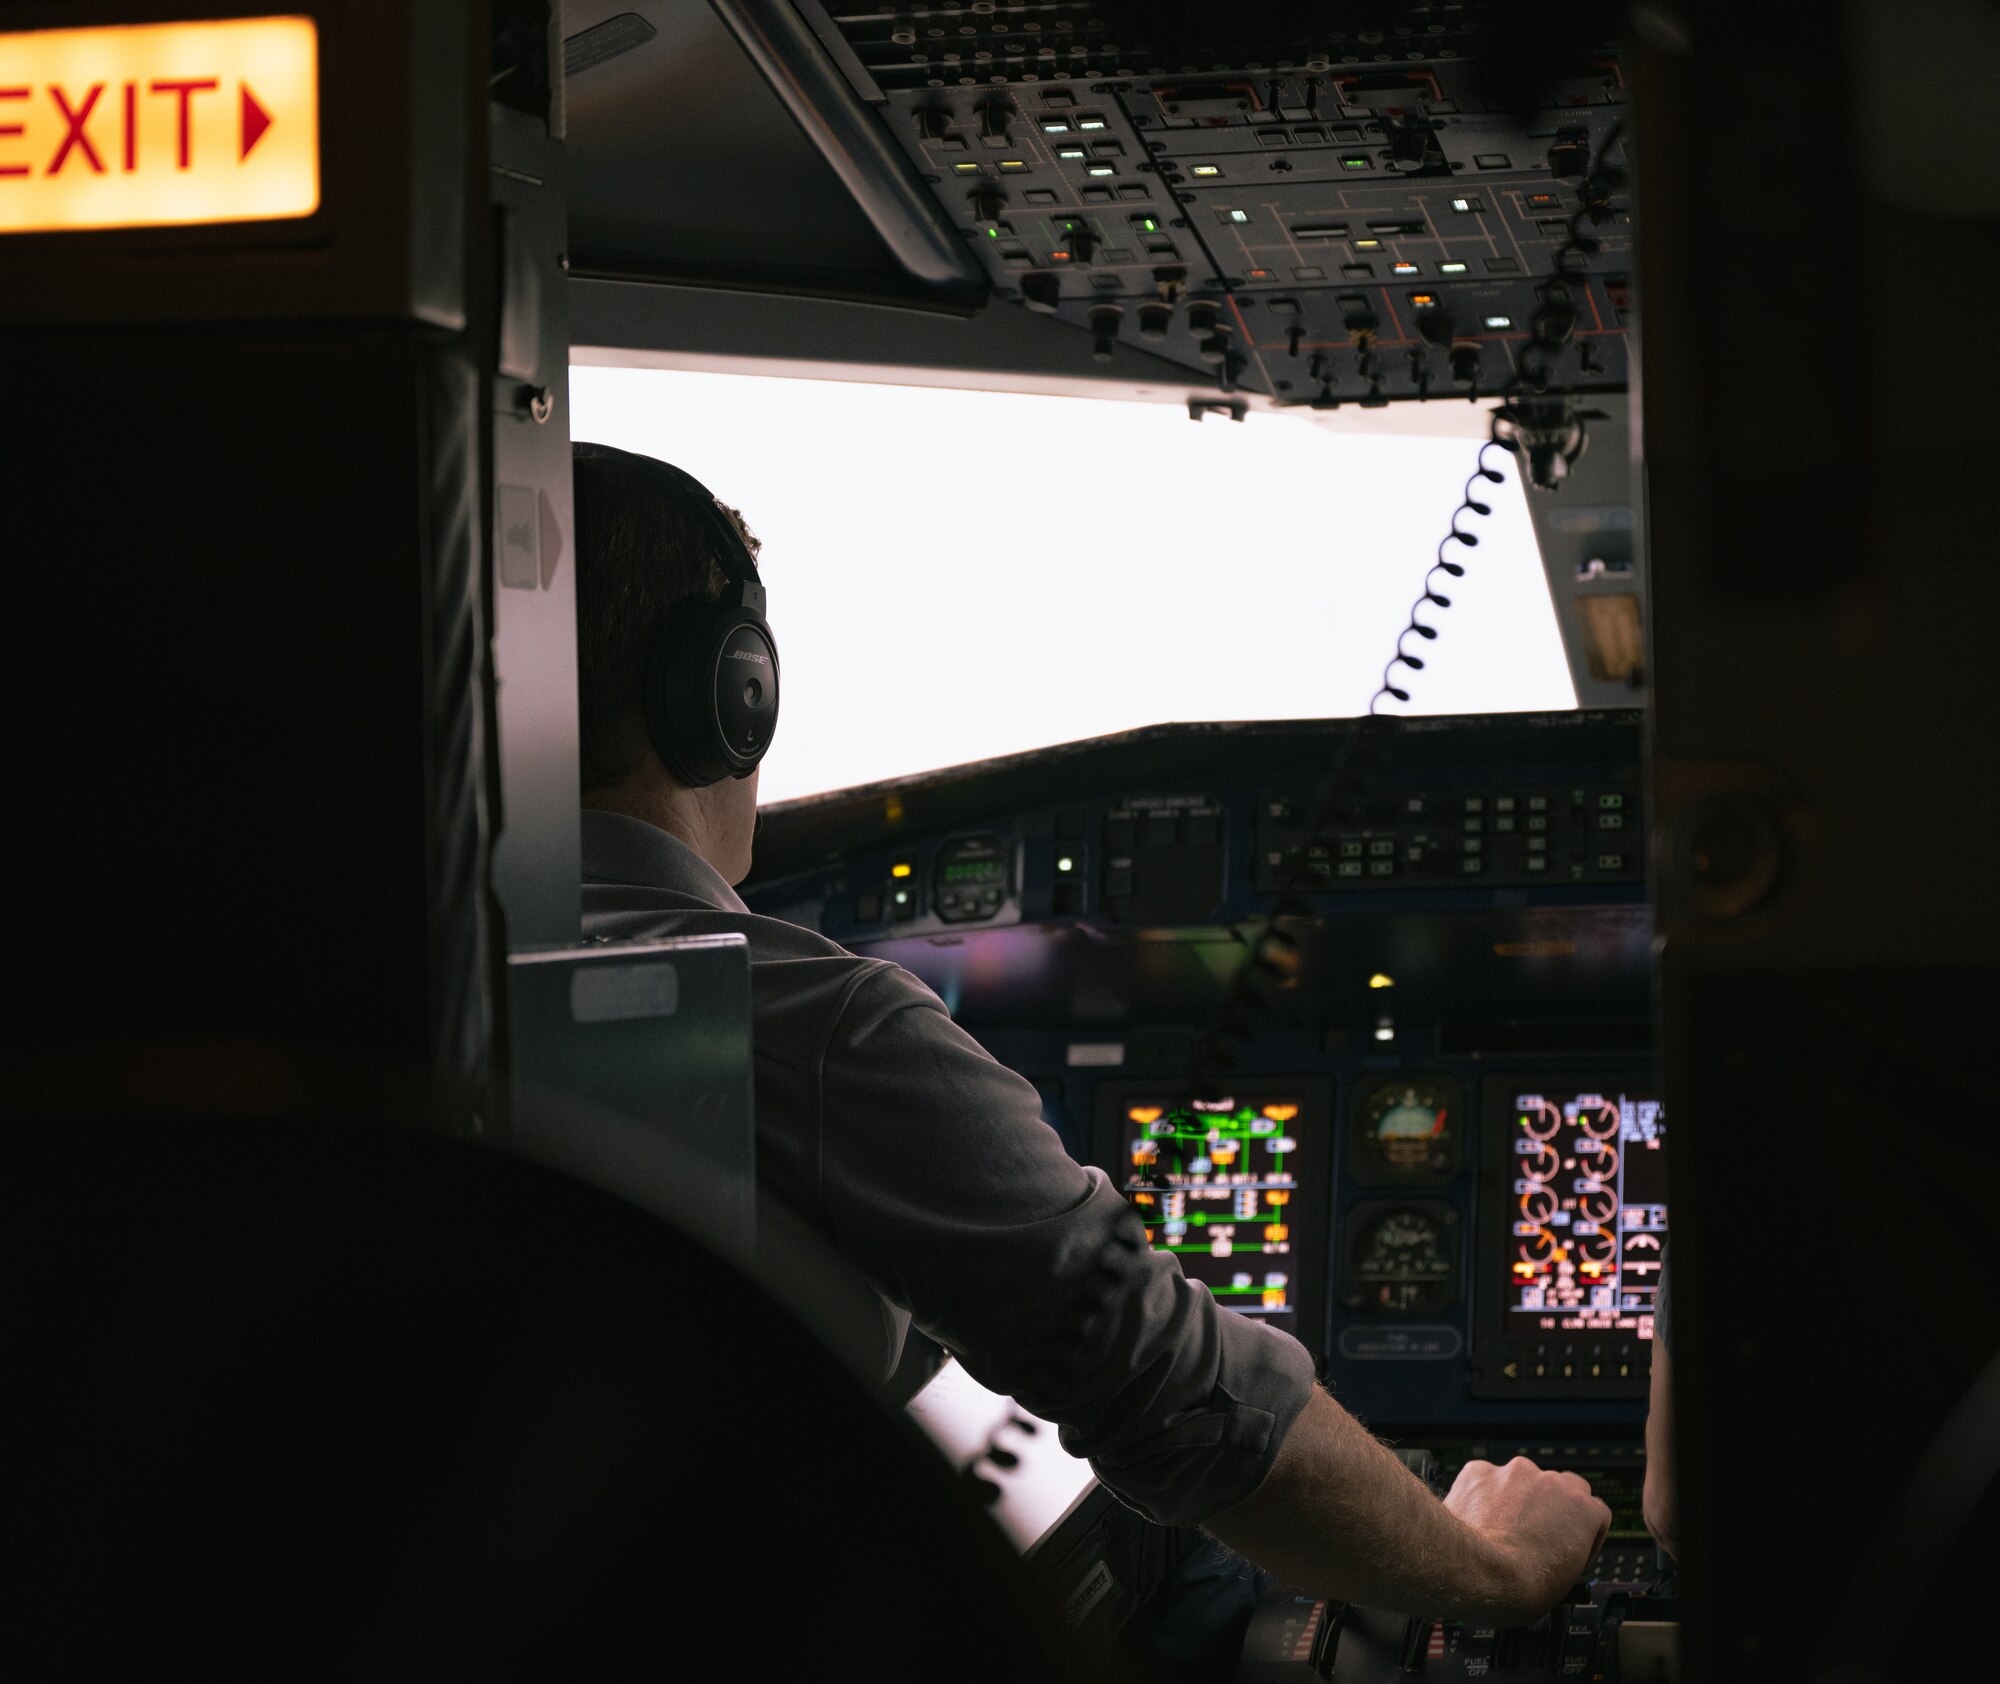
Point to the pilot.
(1658, 1500)
(926, 1167)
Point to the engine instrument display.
(1586, 1205)
(1226, 1185)
(1406, 1131)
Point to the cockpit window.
(956, 575)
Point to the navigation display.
(1586, 1191)
(1233, 1188)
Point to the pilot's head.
(677, 670)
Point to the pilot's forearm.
(1659, 1495)
(1341, 1517)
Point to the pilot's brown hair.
(643, 549)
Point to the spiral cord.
(1417, 626)
(1552, 327)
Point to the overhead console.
(1319, 214)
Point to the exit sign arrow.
(255, 121)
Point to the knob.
(1215, 347)
(1465, 364)
(987, 204)
(1155, 317)
(994, 117)
(1105, 320)
(932, 121)
(1202, 315)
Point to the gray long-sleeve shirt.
(926, 1164)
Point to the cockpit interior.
(1377, 598)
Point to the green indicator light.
(993, 233)
(1354, 163)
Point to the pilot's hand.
(1542, 1528)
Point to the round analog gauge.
(1597, 1160)
(1538, 1204)
(1598, 1118)
(1407, 1129)
(1405, 1262)
(1539, 1119)
(1595, 1251)
(1543, 1164)
(1599, 1206)
(1538, 1248)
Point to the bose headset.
(712, 675)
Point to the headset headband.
(732, 553)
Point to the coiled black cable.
(1551, 328)
(1416, 626)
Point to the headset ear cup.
(680, 726)
(704, 667)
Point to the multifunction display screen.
(1587, 1208)
(1217, 1184)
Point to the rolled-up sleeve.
(945, 1187)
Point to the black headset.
(711, 698)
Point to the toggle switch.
(1105, 320)
(1041, 292)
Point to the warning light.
(1423, 300)
(1145, 1113)
(966, 168)
(902, 868)
(1277, 1233)
(1281, 1113)
(1275, 1198)
(1381, 979)
(1206, 170)
(159, 125)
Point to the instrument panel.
(1532, 1280)
(1358, 1174)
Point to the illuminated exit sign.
(159, 125)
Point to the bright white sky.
(955, 574)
